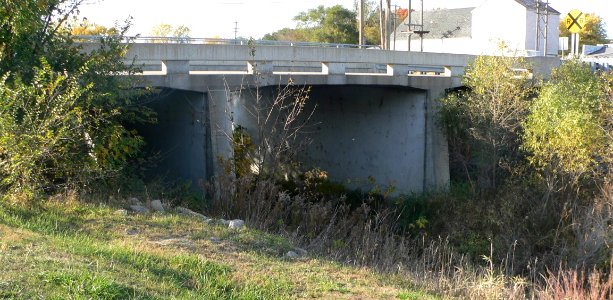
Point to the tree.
(286, 34)
(372, 29)
(334, 24)
(62, 110)
(179, 34)
(593, 32)
(566, 131)
(483, 123)
(85, 28)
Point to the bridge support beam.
(220, 118)
(397, 70)
(333, 68)
(335, 72)
(173, 67)
(436, 149)
(455, 73)
(261, 67)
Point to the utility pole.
(546, 26)
(381, 30)
(388, 23)
(542, 20)
(235, 29)
(538, 26)
(421, 36)
(410, 33)
(421, 31)
(361, 11)
(395, 13)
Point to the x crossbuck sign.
(575, 21)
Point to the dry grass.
(366, 238)
(75, 250)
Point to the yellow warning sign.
(575, 21)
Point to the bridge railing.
(333, 59)
(219, 41)
(209, 58)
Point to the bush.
(63, 112)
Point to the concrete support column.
(436, 148)
(397, 70)
(173, 67)
(220, 118)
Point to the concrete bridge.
(375, 109)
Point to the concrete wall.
(359, 132)
(181, 136)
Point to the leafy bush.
(566, 129)
(63, 111)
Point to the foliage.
(372, 28)
(565, 131)
(334, 24)
(243, 148)
(402, 13)
(593, 33)
(483, 122)
(86, 28)
(180, 33)
(63, 110)
(42, 128)
(286, 34)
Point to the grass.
(86, 251)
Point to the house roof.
(442, 23)
(605, 51)
(531, 4)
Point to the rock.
(181, 242)
(134, 201)
(156, 205)
(188, 212)
(131, 231)
(139, 209)
(300, 251)
(291, 254)
(236, 224)
(224, 222)
(215, 240)
(121, 212)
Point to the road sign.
(575, 21)
(563, 43)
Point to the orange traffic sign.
(575, 21)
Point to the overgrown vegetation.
(528, 214)
(63, 110)
(507, 232)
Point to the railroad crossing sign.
(575, 21)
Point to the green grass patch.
(81, 251)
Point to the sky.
(216, 18)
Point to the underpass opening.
(360, 135)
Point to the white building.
(599, 57)
(481, 30)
